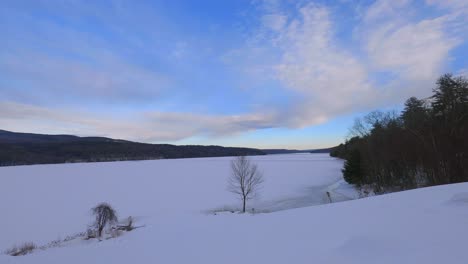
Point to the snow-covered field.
(175, 200)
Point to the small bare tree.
(245, 179)
(104, 214)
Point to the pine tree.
(414, 114)
(352, 171)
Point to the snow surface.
(176, 201)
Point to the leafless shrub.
(105, 215)
(24, 249)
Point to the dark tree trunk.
(243, 208)
(100, 231)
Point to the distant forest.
(424, 145)
(294, 151)
(25, 148)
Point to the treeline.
(424, 145)
(24, 149)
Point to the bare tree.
(245, 179)
(105, 214)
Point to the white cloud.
(147, 126)
(384, 8)
(322, 72)
(412, 47)
(418, 51)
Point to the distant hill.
(284, 151)
(324, 150)
(291, 151)
(27, 148)
(15, 138)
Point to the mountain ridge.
(30, 148)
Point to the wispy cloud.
(415, 49)
(106, 79)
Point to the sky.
(260, 73)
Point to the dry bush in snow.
(24, 249)
(105, 215)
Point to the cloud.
(396, 52)
(384, 9)
(112, 80)
(416, 50)
(303, 55)
(324, 73)
(72, 61)
(147, 127)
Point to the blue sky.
(267, 74)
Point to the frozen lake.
(57, 198)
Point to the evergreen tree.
(352, 171)
(414, 113)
